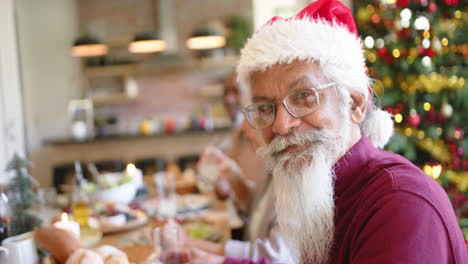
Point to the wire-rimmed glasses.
(298, 103)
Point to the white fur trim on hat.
(338, 51)
(378, 127)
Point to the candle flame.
(64, 217)
(131, 168)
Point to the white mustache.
(280, 142)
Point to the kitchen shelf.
(118, 98)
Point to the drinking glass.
(207, 175)
(167, 241)
(166, 194)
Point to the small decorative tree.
(21, 197)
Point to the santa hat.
(323, 32)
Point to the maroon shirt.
(389, 211)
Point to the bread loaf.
(84, 256)
(112, 255)
(58, 242)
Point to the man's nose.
(284, 122)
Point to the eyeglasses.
(298, 104)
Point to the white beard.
(303, 187)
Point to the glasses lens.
(302, 102)
(260, 115)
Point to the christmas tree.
(418, 52)
(21, 197)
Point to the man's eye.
(302, 95)
(264, 108)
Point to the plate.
(192, 202)
(140, 219)
(203, 231)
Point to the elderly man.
(339, 199)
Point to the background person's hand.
(228, 168)
(177, 256)
(201, 257)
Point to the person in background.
(247, 181)
(339, 197)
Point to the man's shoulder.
(388, 174)
(395, 175)
(399, 174)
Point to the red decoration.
(456, 163)
(450, 2)
(414, 120)
(453, 148)
(404, 33)
(400, 107)
(426, 52)
(403, 3)
(432, 7)
(382, 52)
(440, 118)
(375, 18)
(460, 132)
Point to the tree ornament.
(382, 52)
(431, 8)
(446, 110)
(437, 44)
(414, 119)
(449, 2)
(405, 3)
(458, 134)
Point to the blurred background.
(141, 81)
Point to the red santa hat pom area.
(323, 32)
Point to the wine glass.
(166, 193)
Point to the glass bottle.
(80, 201)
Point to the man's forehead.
(273, 89)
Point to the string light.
(422, 23)
(439, 131)
(371, 57)
(405, 23)
(408, 131)
(396, 53)
(426, 61)
(433, 171)
(405, 14)
(369, 42)
(379, 43)
(427, 106)
(445, 42)
(398, 118)
(426, 43)
(426, 34)
(421, 134)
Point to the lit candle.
(68, 225)
(136, 174)
(131, 169)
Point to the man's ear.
(358, 108)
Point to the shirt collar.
(350, 166)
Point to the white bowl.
(124, 193)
